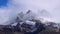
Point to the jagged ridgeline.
(28, 25)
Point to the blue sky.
(3, 3)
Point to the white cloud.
(52, 6)
(15, 6)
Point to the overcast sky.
(10, 8)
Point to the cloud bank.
(50, 6)
(15, 6)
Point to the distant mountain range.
(32, 25)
